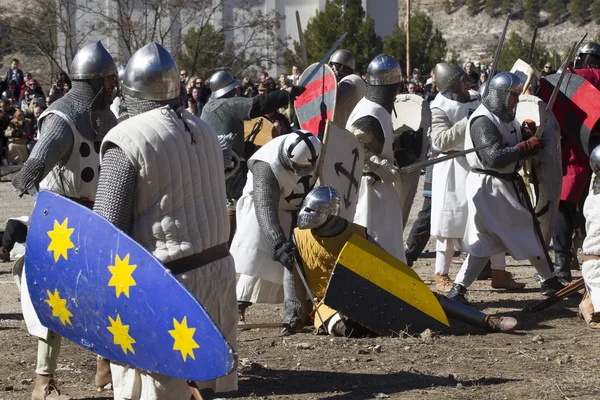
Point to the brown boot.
(494, 323)
(443, 284)
(103, 377)
(503, 280)
(586, 311)
(45, 389)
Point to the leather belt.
(590, 257)
(513, 176)
(189, 263)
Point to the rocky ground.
(552, 356)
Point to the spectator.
(262, 89)
(248, 88)
(283, 79)
(63, 80)
(49, 101)
(12, 94)
(483, 77)
(412, 88)
(191, 108)
(195, 95)
(15, 74)
(547, 70)
(417, 78)
(264, 76)
(294, 78)
(191, 84)
(472, 74)
(37, 111)
(18, 133)
(183, 76)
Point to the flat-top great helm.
(222, 83)
(343, 57)
(152, 74)
(502, 87)
(302, 150)
(383, 70)
(595, 160)
(450, 78)
(93, 61)
(588, 56)
(318, 206)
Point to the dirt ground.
(552, 356)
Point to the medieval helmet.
(588, 55)
(343, 57)
(595, 160)
(152, 74)
(221, 83)
(121, 72)
(501, 87)
(302, 149)
(448, 77)
(383, 70)
(93, 61)
(318, 205)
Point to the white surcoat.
(591, 246)
(251, 254)
(497, 219)
(343, 111)
(379, 208)
(449, 178)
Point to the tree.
(579, 11)
(326, 27)
(491, 6)
(531, 13)
(556, 9)
(203, 51)
(516, 47)
(596, 11)
(472, 7)
(428, 46)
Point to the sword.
(421, 164)
(532, 46)
(497, 56)
(323, 60)
(563, 72)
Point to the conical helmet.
(93, 61)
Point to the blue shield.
(94, 285)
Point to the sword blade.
(422, 164)
(497, 55)
(563, 72)
(323, 60)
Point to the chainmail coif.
(137, 106)
(497, 102)
(384, 95)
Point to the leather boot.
(457, 293)
(562, 267)
(45, 389)
(496, 323)
(242, 306)
(103, 378)
(443, 284)
(503, 280)
(551, 286)
(486, 273)
(586, 311)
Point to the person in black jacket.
(14, 73)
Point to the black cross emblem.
(340, 169)
(305, 181)
(303, 137)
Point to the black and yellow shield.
(380, 292)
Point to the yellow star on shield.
(184, 338)
(121, 334)
(59, 307)
(60, 239)
(121, 275)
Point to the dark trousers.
(419, 233)
(566, 222)
(15, 231)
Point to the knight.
(280, 175)
(319, 238)
(500, 217)
(65, 160)
(162, 181)
(118, 106)
(379, 208)
(350, 87)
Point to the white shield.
(545, 190)
(341, 166)
(412, 116)
(525, 72)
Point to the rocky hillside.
(475, 38)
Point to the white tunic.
(378, 208)
(497, 220)
(448, 196)
(591, 246)
(343, 110)
(251, 254)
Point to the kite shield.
(341, 166)
(380, 292)
(316, 105)
(411, 120)
(94, 285)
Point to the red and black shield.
(316, 105)
(576, 108)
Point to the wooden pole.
(301, 40)
(408, 38)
